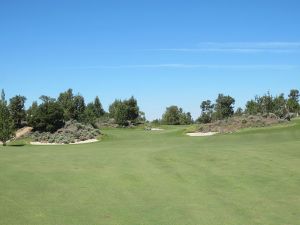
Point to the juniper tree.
(98, 107)
(293, 101)
(207, 109)
(172, 115)
(224, 106)
(6, 122)
(17, 109)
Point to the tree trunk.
(4, 143)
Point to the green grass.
(161, 177)
(19, 142)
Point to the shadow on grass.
(16, 145)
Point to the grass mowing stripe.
(156, 177)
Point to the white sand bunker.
(155, 129)
(76, 143)
(201, 134)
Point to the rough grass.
(139, 177)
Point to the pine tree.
(98, 107)
(17, 110)
(6, 122)
(293, 101)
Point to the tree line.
(223, 107)
(52, 113)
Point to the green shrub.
(82, 138)
(244, 121)
(66, 141)
(51, 140)
(72, 131)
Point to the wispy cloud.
(251, 44)
(239, 47)
(191, 66)
(214, 66)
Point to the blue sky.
(162, 52)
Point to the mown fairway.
(160, 177)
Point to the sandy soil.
(156, 129)
(23, 131)
(201, 134)
(76, 143)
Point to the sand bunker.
(155, 129)
(76, 143)
(201, 134)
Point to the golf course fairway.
(160, 177)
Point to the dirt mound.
(233, 124)
(23, 132)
